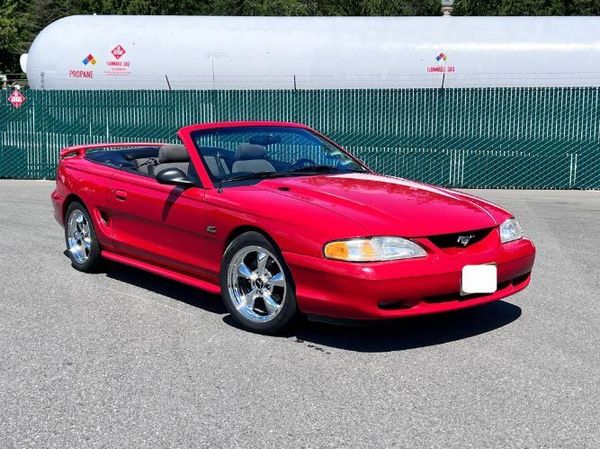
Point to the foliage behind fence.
(501, 137)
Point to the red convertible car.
(280, 220)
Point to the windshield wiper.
(323, 169)
(312, 169)
(258, 175)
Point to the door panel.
(158, 223)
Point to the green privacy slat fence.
(505, 137)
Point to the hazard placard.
(16, 98)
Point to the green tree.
(582, 7)
(259, 7)
(526, 7)
(399, 8)
(16, 31)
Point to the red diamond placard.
(16, 98)
(118, 51)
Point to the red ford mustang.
(279, 220)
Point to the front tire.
(257, 285)
(82, 244)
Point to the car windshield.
(258, 152)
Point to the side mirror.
(174, 177)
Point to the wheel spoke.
(261, 262)
(87, 242)
(270, 304)
(249, 299)
(277, 280)
(244, 271)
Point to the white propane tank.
(179, 52)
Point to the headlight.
(375, 249)
(510, 230)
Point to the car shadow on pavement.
(381, 336)
(409, 333)
(165, 287)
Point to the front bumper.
(410, 287)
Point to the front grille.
(454, 240)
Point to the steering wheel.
(301, 163)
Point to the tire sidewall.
(289, 311)
(92, 261)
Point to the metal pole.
(447, 7)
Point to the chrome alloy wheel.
(256, 284)
(79, 240)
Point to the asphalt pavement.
(125, 359)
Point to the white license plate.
(479, 279)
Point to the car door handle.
(120, 195)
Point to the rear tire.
(82, 244)
(257, 286)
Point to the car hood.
(383, 205)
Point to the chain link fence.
(540, 138)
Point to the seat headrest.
(249, 151)
(173, 153)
